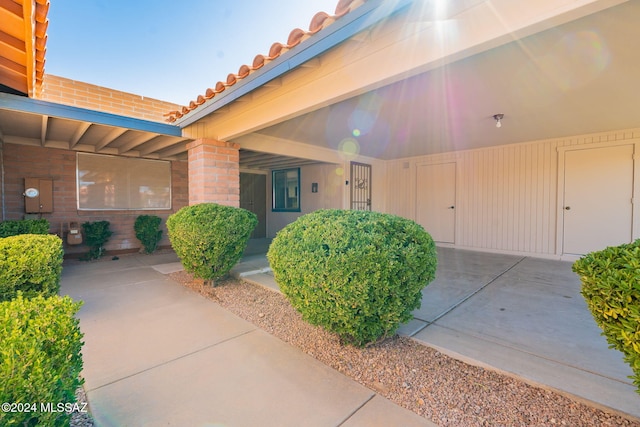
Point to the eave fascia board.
(340, 31)
(35, 106)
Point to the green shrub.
(96, 234)
(358, 274)
(611, 287)
(147, 228)
(40, 359)
(30, 263)
(209, 238)
(24, 226)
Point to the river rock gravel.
(433, 385)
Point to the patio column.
(214, 172)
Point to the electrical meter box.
(38, 195)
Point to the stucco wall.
(331, 189)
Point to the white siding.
(507, 195)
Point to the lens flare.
(576, 59)
(349, 148)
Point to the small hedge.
(147, 229)
(611, 287)
(358, 274)
(30, 263)
(40, 359)
(209, 238)
(96, 235)
(25, 226)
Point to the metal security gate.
(360, 186)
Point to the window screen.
(109, 182)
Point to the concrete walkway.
(519, 315)
(158, 354)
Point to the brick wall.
(84, 95)
(60, 166)
(214, 172)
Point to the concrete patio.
(522, 316)
(157, 353)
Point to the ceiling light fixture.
(498, 118)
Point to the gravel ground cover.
(421, 379)
(78, 418)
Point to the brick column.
(214, 172)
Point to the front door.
(436, 200)
(598, 190)
(253, 197)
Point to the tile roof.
(23, 40)
(318, 22)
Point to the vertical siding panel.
(500, 200)
(533, 206)
(474, 200)
(521, 192)
(495, 211)
(495, 206)
(517, 194)
(525, 207)
(538, 236)
(490, 200)
(480, 196)
(469, 200)
(504, 215)
(550, 196)
(506, 196)
(534, 203)
(465, 208)
(510, 223)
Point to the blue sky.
(167, 49)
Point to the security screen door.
(360, 186)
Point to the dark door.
(360, 186)
(253, 197)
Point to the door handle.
(567, 208)
(451, 207)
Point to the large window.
(286, 190)
(109, 182)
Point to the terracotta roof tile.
(319, 21)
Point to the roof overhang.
(27, 121)
(432, 86)
(370, 13)
(23, 39)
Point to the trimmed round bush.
(358, 274)
(24, 226)
(209, 238)
(40, 345)
(31, 263)
(611, 287)
(147, 229)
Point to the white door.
(436, 200)
(598, 190)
